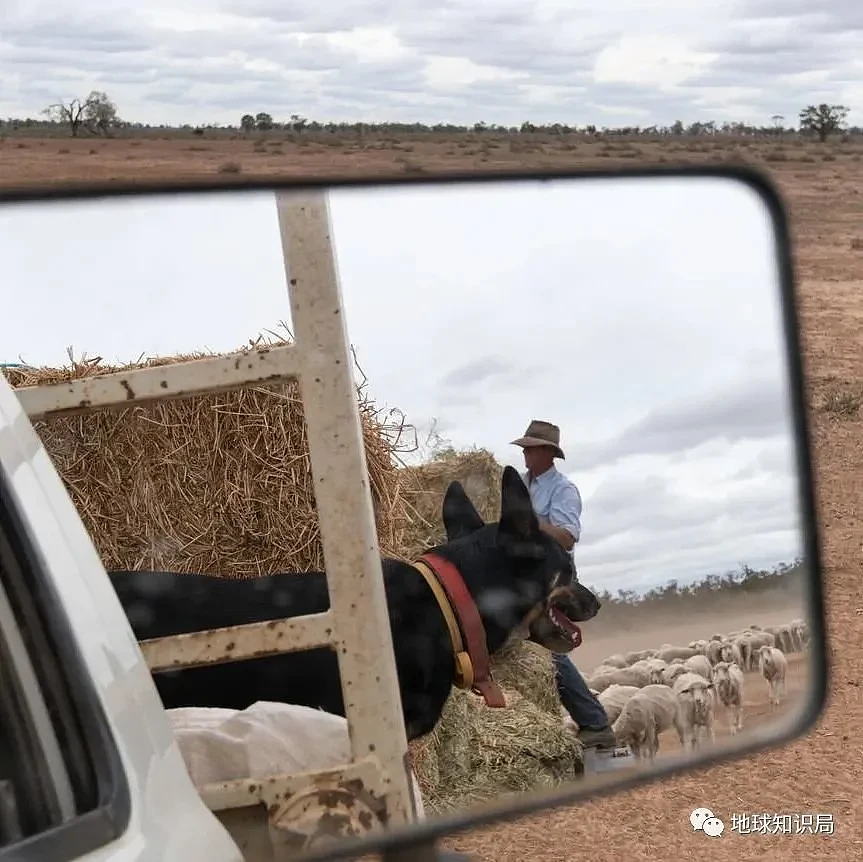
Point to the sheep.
(799, 633)
(646, 714)
(668, 652)
(773, 667)
(636, 675)
(639, 655)
(701, 665)
(603, 668)
(654, 668)
(743, 646)
(732, 653)
(750, 642)
(762, 638)
(672, 672)
(699, 646)
(616, 660)
(713, 651)
(729, 681)
(651, 667)
(695, 696)
(782, 638)
(614, 698)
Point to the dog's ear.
(518, 521)
(460, 518)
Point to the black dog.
(520, 579)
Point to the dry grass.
(425, 485)
(819, 773)
(476, 754)
(37, 159)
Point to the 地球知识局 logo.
(704, 820)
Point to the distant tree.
(71, 113)
(823, 119)
(263, 122)
(100, 114)
(97, 114)
(297, 123)
(247, 123)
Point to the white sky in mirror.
(642, 317)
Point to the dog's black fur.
(515, 573)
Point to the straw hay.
(477, 754)
(216, 484)
(529, 670)
(425, 485)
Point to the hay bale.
(217, 484)
(425, 485)
(513, 750)
(528, 669)
(441, 757)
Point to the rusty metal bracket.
(124, 389)
(239, 643)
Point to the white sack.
(264, 739)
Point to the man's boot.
(597, 737)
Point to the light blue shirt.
(556, 499)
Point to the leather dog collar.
(472, 663)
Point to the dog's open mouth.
(564, 625)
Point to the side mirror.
(634, 332)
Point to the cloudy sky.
(503, 61)
(640, 316)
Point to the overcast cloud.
(640, 316)
(503, 61)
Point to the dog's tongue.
(568, 626)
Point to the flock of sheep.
(649, 691)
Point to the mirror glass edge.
(811, 706)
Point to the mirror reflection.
(573, 392)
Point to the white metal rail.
(357, 625)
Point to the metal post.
(363, 641)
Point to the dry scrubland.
(54, 155)
(822, 186)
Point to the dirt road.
(757, 711)
(604, 638)
(756, 707)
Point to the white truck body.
(169, 820)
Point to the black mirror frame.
(418, 842)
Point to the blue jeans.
(585, 709)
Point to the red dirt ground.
(819, 773)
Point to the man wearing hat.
(557, 503)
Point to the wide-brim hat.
(541, 433)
